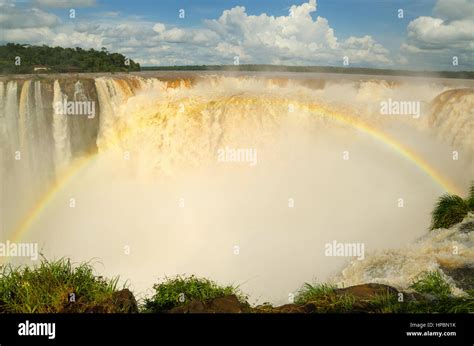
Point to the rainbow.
(391, 142)
(79, 165)
(66, 176)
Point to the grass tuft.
(180, 290)
(432, 283)
(310, 292)
(45, 288)
(385, 303)
(324, 298)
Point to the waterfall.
(112, 95)
(79, 93)
(452, 118)
(11, 117)
(61, 134)
(44, 146)
(28, 133)
(174, 130)
(3, 127)
(2, 99)
(400, 267)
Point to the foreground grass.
(430, 294)
(325, 298)
(432, 283)
(439, 294)
(50, 287)
(180, 290)
(47, 288)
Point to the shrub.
(449, 211)
(46, 287)
(180, 290)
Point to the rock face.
(466, 227)
(366, 291)
(359, 294)
(122, 301)
(463, 277)
(291, 309)
(227, 304)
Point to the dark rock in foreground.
(366, 291)
(122, 301)
(227, 304)
(463, 277)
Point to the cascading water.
(452, 114)
(10, 116)
(241, 179)
(61, 134)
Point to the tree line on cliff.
(18, 58)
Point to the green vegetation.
(441, 300)
(317, 69)
(58, 59)
(313, 292)
(385, 303)
(47, 287)
(451, 209)
(432, 283)
(325, 298)
(432, 295)
(63, 60)
(470, 199)
(179, 290)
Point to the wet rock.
(367, 291)
(463, 277)
(289, 309)
(466, 227)
(227, 304)
(124, 301)
(195, 306)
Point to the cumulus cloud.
(454, 9)
(437, 39)
(292, 39)
(300, 37)
(12, 17)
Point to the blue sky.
(345, 14)
(348, 17)
(368, 32)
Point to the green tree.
(59, 59)
(451, 209)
